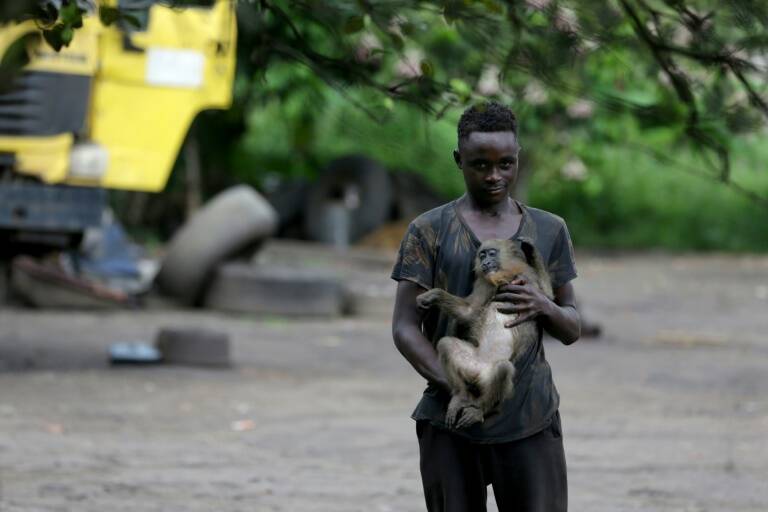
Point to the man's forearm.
(420, 353)
(563, 323)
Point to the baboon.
(480, 368)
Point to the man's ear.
(457, 157)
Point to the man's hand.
(524, 300)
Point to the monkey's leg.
(458, 361)
(497, 385)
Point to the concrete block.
(244, 288)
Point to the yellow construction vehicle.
(111, 111)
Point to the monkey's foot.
(469, 416)
(454, 409)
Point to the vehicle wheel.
(353, 190)
(230, 223)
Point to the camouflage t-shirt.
(438, 251)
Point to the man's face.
(488, 161)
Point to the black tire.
(412, 195)
(226, 226)
(189, 346)
(374, 189)
(288, 199)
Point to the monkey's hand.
(469, 416)
(429, 298)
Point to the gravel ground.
(668, 411)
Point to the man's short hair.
(488, 116)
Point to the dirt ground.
(668, 411)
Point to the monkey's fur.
(480, 368)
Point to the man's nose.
(494, 174)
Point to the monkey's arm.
(409, 339)
(453, 306)
(558, 317)
(463, 310)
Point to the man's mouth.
(497, 188)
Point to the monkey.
(480, 369)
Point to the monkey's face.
(499, 261)
(489, 259)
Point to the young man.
(518, 451)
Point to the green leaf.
(67, 33)
(71, 14)
(354, 24)
(460, 87)
(451, 13)
(594, 185)
(397, 41)
(753, 42)
(108, 15)
(427, 69)
(408, 28)
(16, 56)
(493, 6)
(53, 37)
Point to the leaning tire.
(226, 226)
(352, 176)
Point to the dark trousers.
(527, 475)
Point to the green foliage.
(640, 188)
(629, 199)
(109, 15)
(299, 125)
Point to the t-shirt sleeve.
(415, 259)
(562, 265)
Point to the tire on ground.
(199, 347)
(346, 177)
(226, 226)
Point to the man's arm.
(409, 340)
(558, 317)
(562, 320)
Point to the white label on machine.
(175, 68)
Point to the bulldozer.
(110, 111)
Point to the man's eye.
(507, 164)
